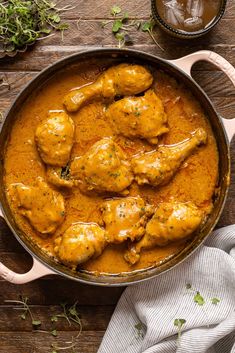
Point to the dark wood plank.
(96, 319)
(54, 290)
(39, 57)
(24, 342)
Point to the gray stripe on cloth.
(154, 305)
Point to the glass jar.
(179, 33)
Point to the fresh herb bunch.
(23, 22)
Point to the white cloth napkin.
(143, 321)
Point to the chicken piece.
(171, 222)
(41, 205)
(54, 138)
(142, 117)
(103, 168)
(79, 243)
(159, 167)
(123, 79)
(59, 177)
(125, 218)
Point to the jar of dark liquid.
(188, 18)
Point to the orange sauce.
(195, 181)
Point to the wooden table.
(95, 304)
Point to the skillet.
(223, 130)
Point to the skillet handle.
(188, 61)
(38, 270)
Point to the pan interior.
(107, 58)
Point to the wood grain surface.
(95, 304)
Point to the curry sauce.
(195, 181)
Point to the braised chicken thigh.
(41, 205)
(142, 117)
(158, 167)
(79, 243)
(54, 138)
(125, 218)
(171, 222)
(59, 177)
(123, 79)
(103, 168)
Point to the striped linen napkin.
(145, 319)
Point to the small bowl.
(183, 34)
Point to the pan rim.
(133, 54)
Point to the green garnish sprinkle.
(215, 301)
(199, 299)
(179, 323)
(115, 10)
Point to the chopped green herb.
(120, 25)
(36, 323)
(199, 299)
(123, 39)
(23, 316)
(125, 16)
(147, 26)
(54, 333)
(54, 319)
(117, 25)
(215, 301)
(188, 286)
(139, 327)
(115, 10)
(179, 323)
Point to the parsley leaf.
(139, 327)
(179, 323)
(199, 299)
(147, 26)
(117, 25)
(215, 301)
(125, 16)
(115, 10)
(36, 323)
(54, 319)
(54, 333)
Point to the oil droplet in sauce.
(188, 15)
